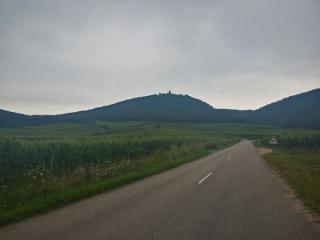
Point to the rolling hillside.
(11, 119)
(162, 107)
(300, 110)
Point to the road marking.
(203, 179)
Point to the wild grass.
(300, 166)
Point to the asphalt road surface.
(231, 194)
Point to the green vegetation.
(300, 110)
(112, 130)
(45, 166)
(297, 159)
(37, 174)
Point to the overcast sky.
(60, 56)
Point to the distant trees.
(312, 142)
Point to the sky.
(63, 56)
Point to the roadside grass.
(25, 200)
(301, 169)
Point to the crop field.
(154, 129)
(45, 166)
(37, 174)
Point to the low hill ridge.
(301, 110)
(157, 107)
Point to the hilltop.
(301, 110)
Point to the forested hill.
(162, 107)
(11, 119)
(301, 110)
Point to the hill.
(300, 110)
(162, 107)
(11, 119)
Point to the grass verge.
(301, 169)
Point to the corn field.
(32, 169)
(19, 157)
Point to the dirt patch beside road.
(263, 150)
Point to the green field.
(46, 166)
(129, 129)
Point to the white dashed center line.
(203, 179)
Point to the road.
(231, 194)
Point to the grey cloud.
(57, 56)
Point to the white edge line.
(203, 179)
